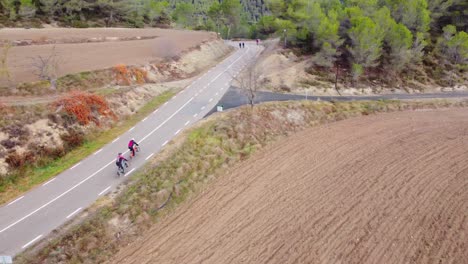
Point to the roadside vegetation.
(376, 42)
(179, 173)
(79, 124)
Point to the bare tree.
(46, 67)
(3, 61)
(249, 82)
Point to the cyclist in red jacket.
(131, 146)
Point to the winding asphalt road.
(31, 217)
(235, 97)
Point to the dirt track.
(87, 56)
(390, 188)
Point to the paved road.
(234, 97)
(33, 216)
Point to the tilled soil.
(390, 188)
(22, 61)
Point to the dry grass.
(222, 140)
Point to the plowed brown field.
(391, 188)
(81, 55)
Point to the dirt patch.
(378, 189)
(80, 56)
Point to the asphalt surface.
(31, 217)
(235, 97)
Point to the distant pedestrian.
(257, 41)
(240, 45)
(243, 45)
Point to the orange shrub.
(140, 75)
(85, 106)
(122, 74)
(5, 109)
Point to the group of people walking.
(242, 44)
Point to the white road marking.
(203, 107)
(216, 94)
(105, 166)
(165, 103)
(131, 129)
(17, 199)
(128, 173)
(155, 111)
(144, 119)
(195, 115)
(32, 241)
(103, 191)
(177, 132)
(97, 152)
(196, 94)
(151, 155)
(48, 182)
(165, 142)
(211, 99)
(74, 212)
(56, 198)
(115, 140)
(186, 123)
(167, 120)
(75, 165)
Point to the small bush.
(85, 107)
(8, 143)
(73, 138)
(122, 74)
(17, 131)
(16, 160)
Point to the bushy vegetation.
(378, 39)
(229, 17)
(383, 40)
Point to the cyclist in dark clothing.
(119, 160)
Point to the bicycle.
(122, 171)
(137, 149)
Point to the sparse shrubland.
(180, 172)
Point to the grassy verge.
(36, 175)
(201, 154)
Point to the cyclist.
(131, 146)
(119, 160)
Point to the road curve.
(235, 97)
(31, 217)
